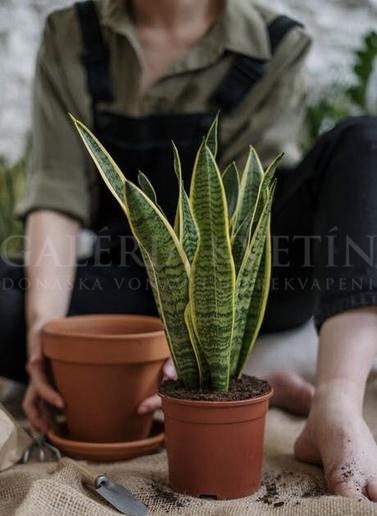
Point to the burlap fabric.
(289, 487)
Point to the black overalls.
(144, 143)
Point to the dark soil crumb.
(348, 471)
(272, 493)
(240, 389)
(275, 485)
(313, 491)
(163, 494)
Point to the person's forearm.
(347, 348)
(50, 261)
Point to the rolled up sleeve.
(58, 170)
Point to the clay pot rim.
(218, 404)
(51, 328)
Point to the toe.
(291, 392)
(305, 450)
(348, 490)
(345, 482)
(372, 490)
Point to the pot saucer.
(107, 452)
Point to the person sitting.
(141, 74)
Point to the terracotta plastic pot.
(215, 449)
(104, 366)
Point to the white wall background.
(336, 25)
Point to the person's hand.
(40, 397)
(154, 402)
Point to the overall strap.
(279, 28)
(246, 71)
(95, 55)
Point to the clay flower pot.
(104, 366)
(215, 449)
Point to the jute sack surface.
(13, 440)
(289, 487)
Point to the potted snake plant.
(210, 275)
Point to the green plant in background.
(363, 69)
(210, 273)
(339, 101)
(12, 182)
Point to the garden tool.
(42, 447)
(115, 494)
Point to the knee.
(358, 127)
(353, 136)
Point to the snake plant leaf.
(166, 262)
(170, 276)
(257, 307)
(212, 278)
(251, 180)
(105, 164)
(268, 180)
(147, 187)
(156, 293)
(231, 182)
(245, 283)
(203, 371)
(269, 174)
(211, 139)
(253, 199)
(185, 224)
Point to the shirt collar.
(241, 29)
(245, 30)
(115, 15)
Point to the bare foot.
(291, 392)
(337, 436)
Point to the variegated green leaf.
(212, 136)
(231, 183)
(254, 197)
(170, 276)
(257, 307)
(212, 278)
(203, 371)
(258, 303)
(147, 187)
(246, 280)
(165, 259)
(105, 164)
(156, 294)
(268, 180)
(185, 224)
(247, 198)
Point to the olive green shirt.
(62, 177)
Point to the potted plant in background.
(210, 275)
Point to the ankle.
(340, 392)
